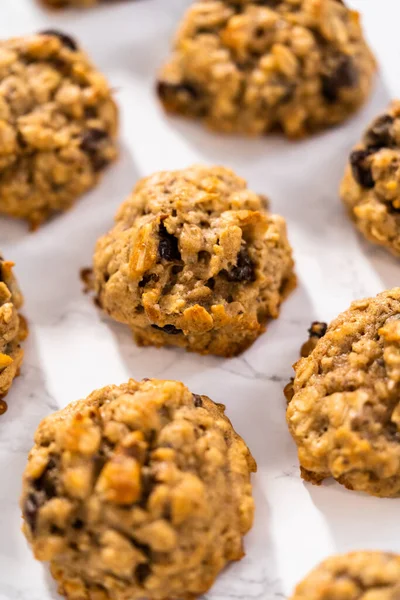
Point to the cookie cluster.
(143, 490)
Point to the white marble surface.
(72, 349)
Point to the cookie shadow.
(29, 401)
(351, 518)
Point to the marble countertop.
(72, 349)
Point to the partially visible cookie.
(353, 576)
(371, 186)
(252, 67)
(194, 260)
(139, 491)
(13, 328)
(58, 124)
(344, 402)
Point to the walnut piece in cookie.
(139, 491)
(354, 576)
(58, 124)
(194, 260)
(13, 328)
(253, 67)
(344, 414)
(370, 189)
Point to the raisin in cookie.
(194, 260)
(140, 491)
(371, 186)
(344, 410)
(13, 328)
(353, 576)
(252, 67)
(57, 125)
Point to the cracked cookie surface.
(139, 491)
(371, 186)
(252, 67)
(344, 411)
(58, 123)
(353, 576)
(13, 329)
(194, 260)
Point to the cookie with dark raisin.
(343, 404)
(13, 329)
(254, 67)
(370, 189)
(194, 260)
(354, 576)
(58, 127)
(139, 491)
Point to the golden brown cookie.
(13, 329)
(344, 413)
(58, 124)
(353, 576)
(252, 67)
(194, 260)
(371, 186)
(139, 491)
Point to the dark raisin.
(67, 40)
(78, 524)
(147, 278)
(197, 401)
(171, 329)
(45, 482)
(91, 143)
(379, 135)
(362, 173)
(168, 245)
(167, 90)
(142, 572)
(30, 510)
(317, 329)
(210, 283)
(344, 75)
(244, 269)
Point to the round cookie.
(13, 328)
(371, 186)
(344, 410)
(353, 576)
(58, 123)
(252, 67)
(194, 260)
(139, 491)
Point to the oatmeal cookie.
(13, 328)
(194, 260)
(251, 67)
(353, 576)
(58, 124)
(139, 491)
(371, 186)
(344, 410)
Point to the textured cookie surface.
(345, 412)
(371, 185)
(252, 67)
(194, 260)
(57, 125)
(353, 576)
(140, 491)
(12, 327)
